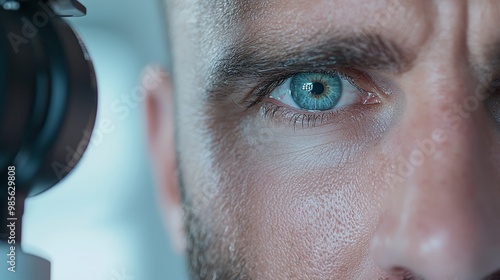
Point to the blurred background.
(103, 220)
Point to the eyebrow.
(255, 59)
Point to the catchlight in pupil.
(317, 88)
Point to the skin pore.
(401, 182)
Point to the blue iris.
(316, 91)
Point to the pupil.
(317, 88)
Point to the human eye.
(309, 98)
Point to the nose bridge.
(444, 191)
(445, 145)
(443, 136)
(439, 221)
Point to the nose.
(441, 219)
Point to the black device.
(48, 100)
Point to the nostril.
(401, 273)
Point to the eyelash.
(306, 119)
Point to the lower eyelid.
(285, 115)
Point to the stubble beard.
(209, 254)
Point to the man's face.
(336, 139)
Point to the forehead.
(219, 17)
(208, 29)
(303, 15)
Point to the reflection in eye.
(314, 98)
(317, 92)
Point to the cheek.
(306, 226)
(298, 203)
(300, 216)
